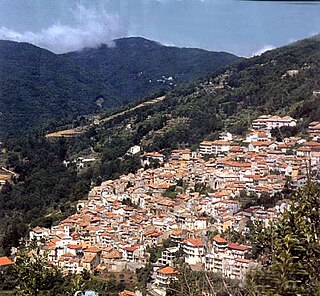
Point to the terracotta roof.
(130, 249)
(4, 261)
(220, 143)
(92, 250)
(74, 246)
(262, 143)
(127, 293)
(176, 232)
(237, 247)
(206, 143)
(154, 154)
(167, 270)
(194, 242)
(243, 260)
(38, 229)
(113, 255)
(220, 239)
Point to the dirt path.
(77, 131)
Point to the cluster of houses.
(182, 201)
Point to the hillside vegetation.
(229, 100)
(189, 113)
(38, 87)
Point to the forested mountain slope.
(284, 81)
(38, 86)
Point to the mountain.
(284, 81)
(37, 86)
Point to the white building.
(134, 150)
(165, 275)
(228, 259)
(38, 233)
(167, 256)
(268, 122)
(214, 147)
(193, 250)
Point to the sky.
(244, 28)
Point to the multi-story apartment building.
(193, 250)
(267, 122)
(214, 147)
(228, 258)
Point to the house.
(5, 262)
(181, 154)
(228, 258)
(85, 162)
(268, 122)
(151, 157)
(176, 236)
(214, 147)
(165, 275)
(240, 267)
(38, 233)
(70, 263)
(4, 178)
(127, 293)
(74, 249)
(225, 136)
(133, 253)
(193, 250)
(134, 150)
(259, 135)
(314, 129)
(167, 256)
(261, 145)
(93, 251)
(90, 262)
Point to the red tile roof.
(237, 247)
(194, 242)
(167, 270)
(127, 293)
(4, 261)
(219, 239)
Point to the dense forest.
(38, 86)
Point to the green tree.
(294, 263)
(198, 283)
(34, 275)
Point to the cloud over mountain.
(263, 49)
(92, 28)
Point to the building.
(90, 262)
(5, 262)
(268, 122)
(134, 150)
(70, 263)
(165, 275)
(193, 250)
(214, 147)
(167, 256)
(127, 293)
(314, 129)
(228, 259)
(38, 233)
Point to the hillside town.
(184, 204)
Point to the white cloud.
(263, 49)
(92, 29)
